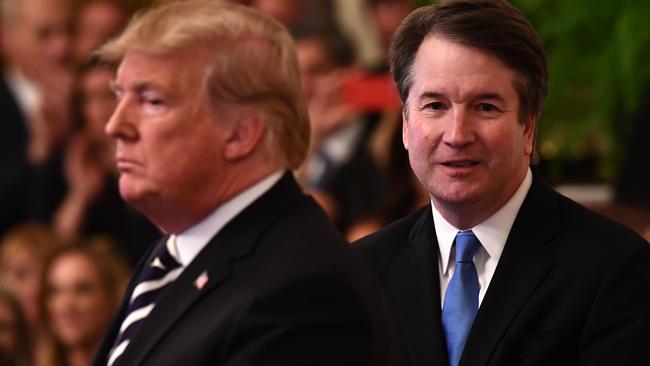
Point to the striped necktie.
(461, 298)
(152, 281)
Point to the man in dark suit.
(35, 90)
(500, 269)
(210, 117)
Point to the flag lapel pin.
(201, 280)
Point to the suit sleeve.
(617, 331)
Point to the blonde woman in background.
(14, 339)
(82, 287)
(24, 250)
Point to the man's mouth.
(125, 164)
(460, 164)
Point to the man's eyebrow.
(430, 95)
(138, 86)
(479, 96)
(490, 96)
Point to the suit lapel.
(237, 240)
(523, 265)
(101, 356)
(415, 288)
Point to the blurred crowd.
(68, 241)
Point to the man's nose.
(121, 124)
(59, 46)
(460, 129)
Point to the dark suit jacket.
(14, 169)
(357, 184)
(571, 288)
(27, 192)
(284, 289)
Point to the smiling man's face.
(462, 130)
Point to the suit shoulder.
(383, 247)
(575, 227)
(304, 237)
(597, 233)
(306, 220)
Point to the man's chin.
(456, 195)
(131, 193)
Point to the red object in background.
(371, 93)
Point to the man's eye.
(44, 33)
(436, 106)
(153, 105)
(154, 102)
(486, 107)
(151, 100)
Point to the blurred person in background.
(404, 193)
(14, 333)
(35, 101)
(24, 250)
(96, 22)
(387, 16)
(23, 253)
(92, 204)
(82, 288)
(288, 12)
(296, 15)
(88, 160)
(339, 170)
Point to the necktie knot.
(466, 246)
(164, 260)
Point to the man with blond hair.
(210, 119)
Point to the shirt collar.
(26, 92)
(492, 233)
(342, 143)
(191, 241)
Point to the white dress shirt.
(191, 241)
(492, 233)
(27, 93)
(338, 148)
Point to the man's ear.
(405, 128)
(245, 134)
(529, 135)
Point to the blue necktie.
(461, 298)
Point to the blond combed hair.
(252, 62)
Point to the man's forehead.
(452, 53)
(142, 82)
(132, 75)
(44, 11)
(442, 66)
(142, 65)
(169, 73)
(478, 86)
(181, 60)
